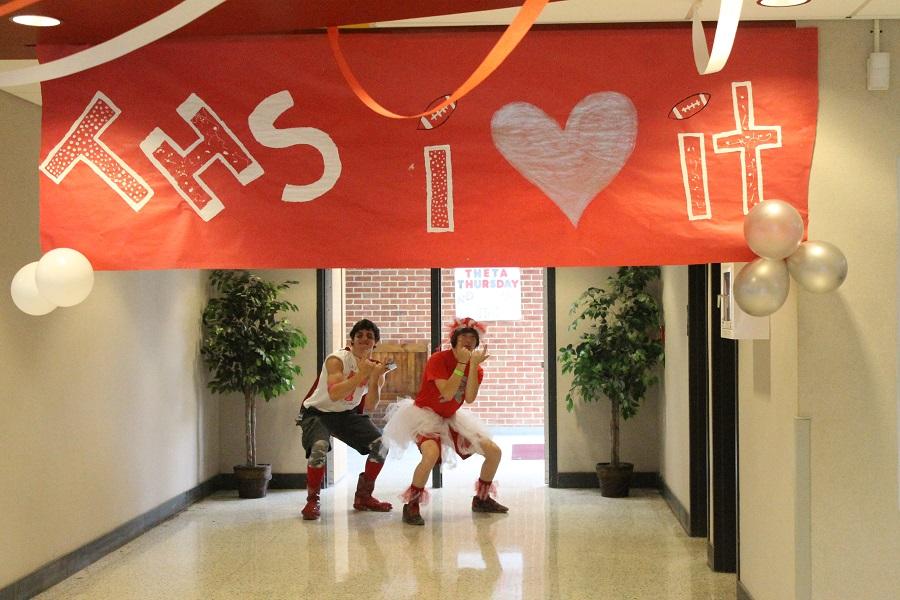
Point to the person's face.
(363, 342)
(466, 340)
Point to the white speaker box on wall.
(878, 70)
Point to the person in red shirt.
(440, 427)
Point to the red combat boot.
(364, 500)
(314, 476)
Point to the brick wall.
(399, 301)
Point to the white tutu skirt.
(405, 421)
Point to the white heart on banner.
(574, 164)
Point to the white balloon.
(773, 229)
(818, 266)
(64, 276)
(24, 292)
(762, 286)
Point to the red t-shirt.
(440, 365)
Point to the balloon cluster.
(774, 230)
(63, 277)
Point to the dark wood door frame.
(436, 332)
(551, 471)
(724, 540)
(324, 295)
(698, 399)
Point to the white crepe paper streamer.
(729, 16)
(146, 33)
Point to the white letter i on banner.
(439, 188)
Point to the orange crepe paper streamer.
(514, 34)
(15, 5)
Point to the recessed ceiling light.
(35, 20)
(781, 3)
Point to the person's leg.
(431, 453)
(416, 494)
(364, 500)
(358, 432)
(315, 473)
(492, 455)
(485, 487)
(316, 442)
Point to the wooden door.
(405, 380)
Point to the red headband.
(467, 323)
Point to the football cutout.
(690, 106)
(438, 118)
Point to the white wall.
(583, 435)
(847, 339)
(845, 357)
(277, 435)
(767, 391)
(103, 414)
(674, 413)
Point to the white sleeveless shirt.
(320, 400)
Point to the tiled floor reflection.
(565, 544)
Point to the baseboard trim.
(742, 593)
(589, 480)
(677, 508)
(65, 566)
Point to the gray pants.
(352, 428)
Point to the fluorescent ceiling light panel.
(781, 3)
(35, 20)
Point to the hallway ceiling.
(90, 22)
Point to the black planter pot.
(614, 481)
(252, 482)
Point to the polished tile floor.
(553, 544)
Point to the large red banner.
(586, 147)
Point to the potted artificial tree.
(615, 357)
(249, 349)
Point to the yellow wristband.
(458, 372)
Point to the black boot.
(411, 515)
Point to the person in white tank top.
(320, 398)
(350, 380)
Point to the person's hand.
(366, 367)
(462, 354)
(479, 355)
(378, 369)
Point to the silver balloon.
(773, 229)
(818, 266)
(25, 293)
(761, 287)
(64, 276)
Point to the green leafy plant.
(246, 345)
(617, 352)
